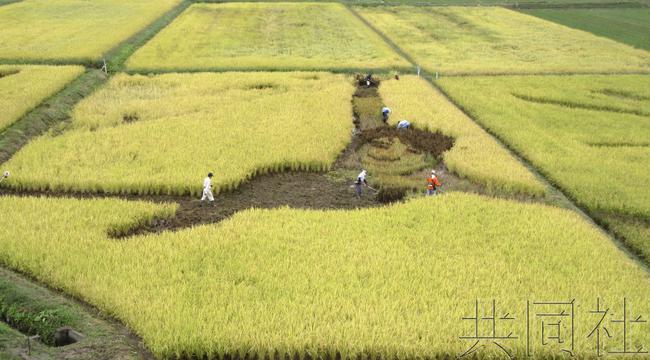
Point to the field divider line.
(351, 70)
(48, 113)
(586, 73)
(563, 198)
(25, 280)
(7, 2)
(117, 56)
(48, 62)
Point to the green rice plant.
(588, 134)
(390, 282)
(627, 25)
(475, 154)
(23, 87)
(486, 40)
(163, 134)
(72, 30)
(266, 36)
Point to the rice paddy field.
(475, 154)
(587, 133)
(535, 118)
(266, 36)
(319, 282)
(630, 26)
(22, 88)
(157, 135)
(72, 31)
(492, 40)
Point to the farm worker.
(433, 183)
(403, 124)
(385, 111)
(207, 189)
(369, 80)
(361, 180)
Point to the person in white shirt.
(403, 124)
(385, 112)
(207, 189)
(361, 180)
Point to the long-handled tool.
(4, 175)
(373, 189)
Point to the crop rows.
(383, 282)
(475, 154)
(488, 40)
(599, 154)
(265, 36)
(162, 134)
(23, 87)
(391, 282)
(72, 30)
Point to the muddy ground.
(330, 190)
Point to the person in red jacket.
(433, 183)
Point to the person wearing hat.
(207, 189)
(403, 124)
(385, 113)
(361, 180)
(433, 184)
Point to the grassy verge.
(32, 309)
(53, 111)
(118, 55)
(7, 2)
(31, 315)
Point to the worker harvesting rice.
(361, 181)
(403, 124)
(433, 184)
(385, 113)
(207, 189)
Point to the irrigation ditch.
(39, 323)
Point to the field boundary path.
(49, 113)
(560, 196)
(104, 338)
(27, 300)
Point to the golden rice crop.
(482, 40)
(266, 36)
(475, 154)
(390, 282)
(589, 134)
(23, 87)
(72, 30)
(163, 134)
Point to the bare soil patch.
(297, 190)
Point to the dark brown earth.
(297, 190)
